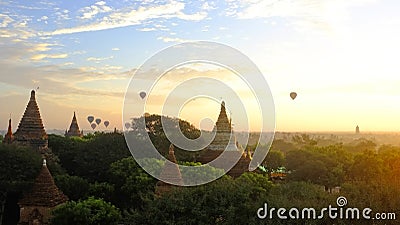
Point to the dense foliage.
(107, 186)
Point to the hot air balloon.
(142, 94)
(127, 125)
(98, 121)
(93, 126)
(106, 123)
(90, 119)
(293, 95)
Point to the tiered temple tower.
(224, 137)
(74, 129)
(169, 173)
(35, 206)
(225, 140)
(31, 131)
(9, 137)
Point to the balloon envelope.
(142, 94)
(98, 121)
(90, 119)
(293, 95)
(127, 125)
(106, 123)
(93, 126)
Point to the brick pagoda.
(74, 129)
(31, 131)
(225, 140)
(36, 205)
(169, 173)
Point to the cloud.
(99, 59)
(146, 29)
(129, 16)
(5, 20)
(169, 39)
(40, 57)
(305, 13)
(115, 49)
(90, 11)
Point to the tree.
(133, 186)
(274, 160)
(155, 126)
(74, 187)
(91, 211)
(19, 166)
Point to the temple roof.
(9, 137)
(44, 192)
(74, 128)
(31, 130)
(224, 138)
(170, 172)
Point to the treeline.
(105, 184)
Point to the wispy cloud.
(99, 58)
(306, 13)
(90, 11)
(133, 16)
(40, 57)
(171, 39)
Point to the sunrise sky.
(340, 56)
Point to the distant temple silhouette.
(9, 137)
(31, 131)
(74, 129)
(169, 173)
(225, 141)
(36, 205)
(357, 129)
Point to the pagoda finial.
(33, 95)
(44, 162)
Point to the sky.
(340, 56)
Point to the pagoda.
(169, 175)
(31, 131)
(36, 205)
(9, 137)
(74, 129)
(225, 142)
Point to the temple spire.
(74, 128)
(9, 137)
(169, 174)
(31, 131)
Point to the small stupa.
(74, 129)
(31, 131)
(9, 137)
(170, 174)
(36, 205)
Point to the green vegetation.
(107, 186)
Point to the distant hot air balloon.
(127, 125)
(90, 119)
(142, 94)
(106, 123)
(98, 121)
(93, 126)
(293, 95)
